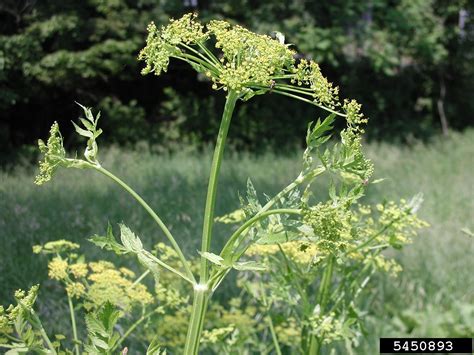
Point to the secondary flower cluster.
(94, 282)
(54, 154)
(309, 73)
(300, 252)
(331, 224)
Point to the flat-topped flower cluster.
(241, 60)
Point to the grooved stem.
(213, 179)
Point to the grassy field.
(431, 297)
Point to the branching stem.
(234, 237)
(155, 217)
(201, 290)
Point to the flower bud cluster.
(331, 225)
(9, 317)
(54, 155)
(354, 117)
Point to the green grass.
(437, 275)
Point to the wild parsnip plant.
(304, 262)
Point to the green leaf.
(97, 133)
(149, 261)
(253, 205)
(129, 240)
(131, 244)
(108, 242)
(314, 136)
(100, 329)
(82, 131)
(378, 181)
(276, 237)
(415, 203)
(213, 258)
(280, 37)
(155, 348)
(94, 326)
(249, 266)
(108, 315)
(99, 343)
(87, 124)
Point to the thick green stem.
(155, 217)
(196, 323)
(201, 290)
(73, 325)
(213, 179)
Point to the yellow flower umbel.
(95, 282)
(57, 269)
(300, 252)
(75, 289)
(115, 286)
(78, 270)
(241, 61)
(5, 324)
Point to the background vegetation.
(409, 62)
(433, 296)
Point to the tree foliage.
(408, 62)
